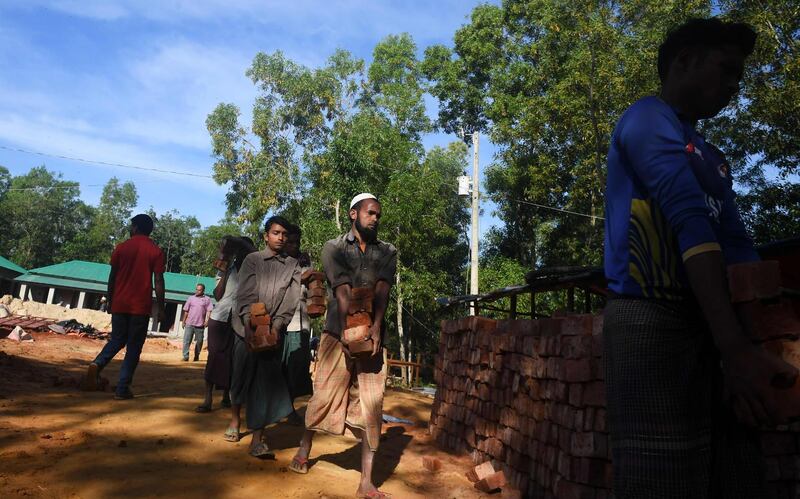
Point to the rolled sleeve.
(335, 265)
(285, 312)
(653, 140)
(247, 294)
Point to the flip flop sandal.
(261, 451)
(299, 465)
(374, 494)
(232, 435)
(202, 408)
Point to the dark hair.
(706, 33)
(247, 247)
(201, 284)
(143, 224)
(276, 220)
(294, 230)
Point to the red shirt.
(135, 262)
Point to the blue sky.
(132, 81)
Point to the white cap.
(361, 197)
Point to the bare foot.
(369, 491)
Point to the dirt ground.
(56, 441)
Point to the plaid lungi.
(347, 392)
(672, 433)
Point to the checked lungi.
(347, 392)
(672, 433)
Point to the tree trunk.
(400, 338)
(337, 206)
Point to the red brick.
(494, 448)
(769, 321)
(569, 490)
(431, 463)
(600, 423)
(597, 325)
(576, 371)
(492, 482)
(577, 325)
(753, 280)
(576, 347)
(594, 394)
(592, 472)
(576, 395)
(589, 444)
(550, 327)
(480, 471)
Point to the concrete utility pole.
(473, 259)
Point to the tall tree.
(205, 248)
(297, 107)
(43, 213)
(555, 77)
(174, 234)
(108, 226)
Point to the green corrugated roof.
(8, 264)
(91, 276)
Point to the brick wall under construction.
(530, 396)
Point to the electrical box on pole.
(464, 185)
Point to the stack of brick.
(530, 397)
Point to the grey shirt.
(273, 280)
(345, 263)
(300, 320)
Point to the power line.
(106, 163)
(596, 217)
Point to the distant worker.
(296, 360)
(269, 281)
(137, 266)
(349, 388)
(680, 368)
(224, 321)
(196, 312)
(103, 304)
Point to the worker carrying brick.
(269, 289)
(350, 376)
(685, 386)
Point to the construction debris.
(19, 334)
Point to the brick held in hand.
(315, 311)
(316, 292)
(259, 316)
(361, 300)
(754, 280)
(317, 300)
(768, 321)
(316, 284)
(221, 265)
(357, 340)
(262, 338)
(359, 319)
(310, 276)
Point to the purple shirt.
(197, 308)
